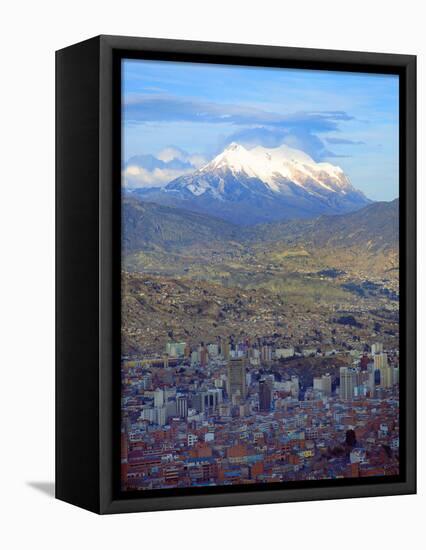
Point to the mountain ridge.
(259, 185)
(149, 225)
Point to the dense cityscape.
(259, 277)
(232, 412)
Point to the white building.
(323, 384)
(175, 349)
(161, 414)
(377, 348)
(158, 398)
(284, 353)
(192, 440)
(213, 350)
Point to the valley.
(193, 276)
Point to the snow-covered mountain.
(261, 184)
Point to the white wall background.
(30, 32)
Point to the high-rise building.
(237, 378)
(396, 375)
(149, 413)
(158, 398)
(377, 348)
(295, 386)
(265, 395)
(210, 399)
(171, 409)
(203, 353)
(161, 414)
(347, 383)
(266, 354)
(225, 349)
(371, 384)
(386, 370)
(380, 361)
(182, 406)
(386, 376)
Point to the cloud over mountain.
(156, 171)
(255, 126)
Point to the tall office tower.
(396, 375)
(326, 384)
(226, 350)
(210, 399)
(377, 348)
(386, 376)
(165, 361)
(203, 356)
(265, 395)
(266, 353)
(158, 398)
(347, 383)
(371, 380)
(380, 361)
(171, 411)
(182, 406)
(386, 371)
(161, 415)
(237, 378)
(295, 386)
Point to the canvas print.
(260, 276)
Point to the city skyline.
(263, 428)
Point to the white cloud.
(157, 171)
(197, 160)
(135, 176)
(171, 153)
(174, 153)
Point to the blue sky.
(178, 115)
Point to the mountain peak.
(264, 184)
(277, 167)
(234, 146)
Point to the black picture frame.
(88, 263)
